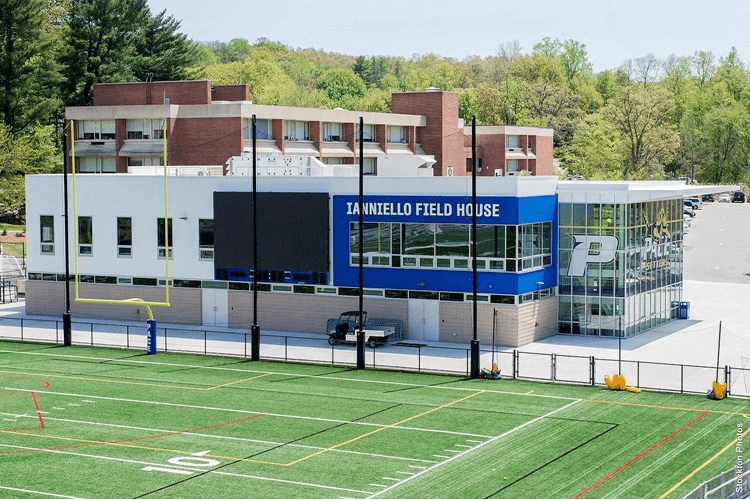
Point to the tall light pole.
(360, 328)
(255, 328)
(474, 342)
(67, 327)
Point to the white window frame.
(333, 160)
(512, 141)
(205, 252)
(47, 239)
(511, 165)
(145, 129)
(370, 166)
(86, 249)
(96, 129)
(97, 165)
(368, 133)
(263, 129)
(333, 132)
(295, 130)
(124, 251)
(145, 161)
(397, 134)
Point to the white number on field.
(194, 461)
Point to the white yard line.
(34, 492)
(228, 438)
(220, 473)
(220, 368)
(250, 412)
(450, 459)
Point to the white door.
(424, 319)
(215, 307)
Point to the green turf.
(118, 423)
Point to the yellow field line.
(382, 429)
(660, 407)
(236, 382)
(139, 447)
(704, 464)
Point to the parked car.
(697, 203)
(739, 197)
(688, 213)
(707, 198)
(724, 198)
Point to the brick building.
(206, 125)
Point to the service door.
(215, 307)
(424, 319)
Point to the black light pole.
(474, 343)
(67, 327)
(255, 329)
(360, 332)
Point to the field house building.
(580, 258)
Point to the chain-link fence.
(733, 483)
(410, 355)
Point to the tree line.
(686, 116)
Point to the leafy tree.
(595, 152)
(268, 83)
(606, 85)
(548, 47)
(236, 50)
(28, 71)
(100, 44)
(647, 69)
(339, 82)
(642, 115)
(727, 137)
(575, 60)
(163, 52)
(704, 67)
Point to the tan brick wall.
(305, 313)
(516, 325)
(48, 298)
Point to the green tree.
(28, 71)
(340, 82)
(574, 59)
(642, 115)
(727, 138)
(100, 43)
(163, 52)
(596, 150)
(268, 83)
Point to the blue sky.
(613, 31)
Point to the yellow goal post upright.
(151, 322)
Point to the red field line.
(38, 410)
(634, 460)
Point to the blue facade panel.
(448, 210)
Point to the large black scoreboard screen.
(292, 231)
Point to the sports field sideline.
(96, 422)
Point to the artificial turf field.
(97, 422)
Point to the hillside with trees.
(686, 116)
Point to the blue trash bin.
(675, 311)
(684, 310)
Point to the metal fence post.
(127, 336)
(419, 359)
(515, 363)
(21, 328)
(682, 379)
(332, 350)
(205, 342)
(592, 371)
(165, 340)
(56, 332)
(91, 328)
(637, 373)
(728, 377)
(553, 357)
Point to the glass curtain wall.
(620, 264)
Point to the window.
(163, 242)
(145, 129)
(124, 237)
(296, 131)
(206, 239)
(368, 133)
(96, 129)
(370, 166)
(263, 129)
(512, 141)
(146, 161)
(511, 166)
(47, 224)
(397, 134)
(97, 165)
(333, 160)
(85, 235)
(332, 132)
